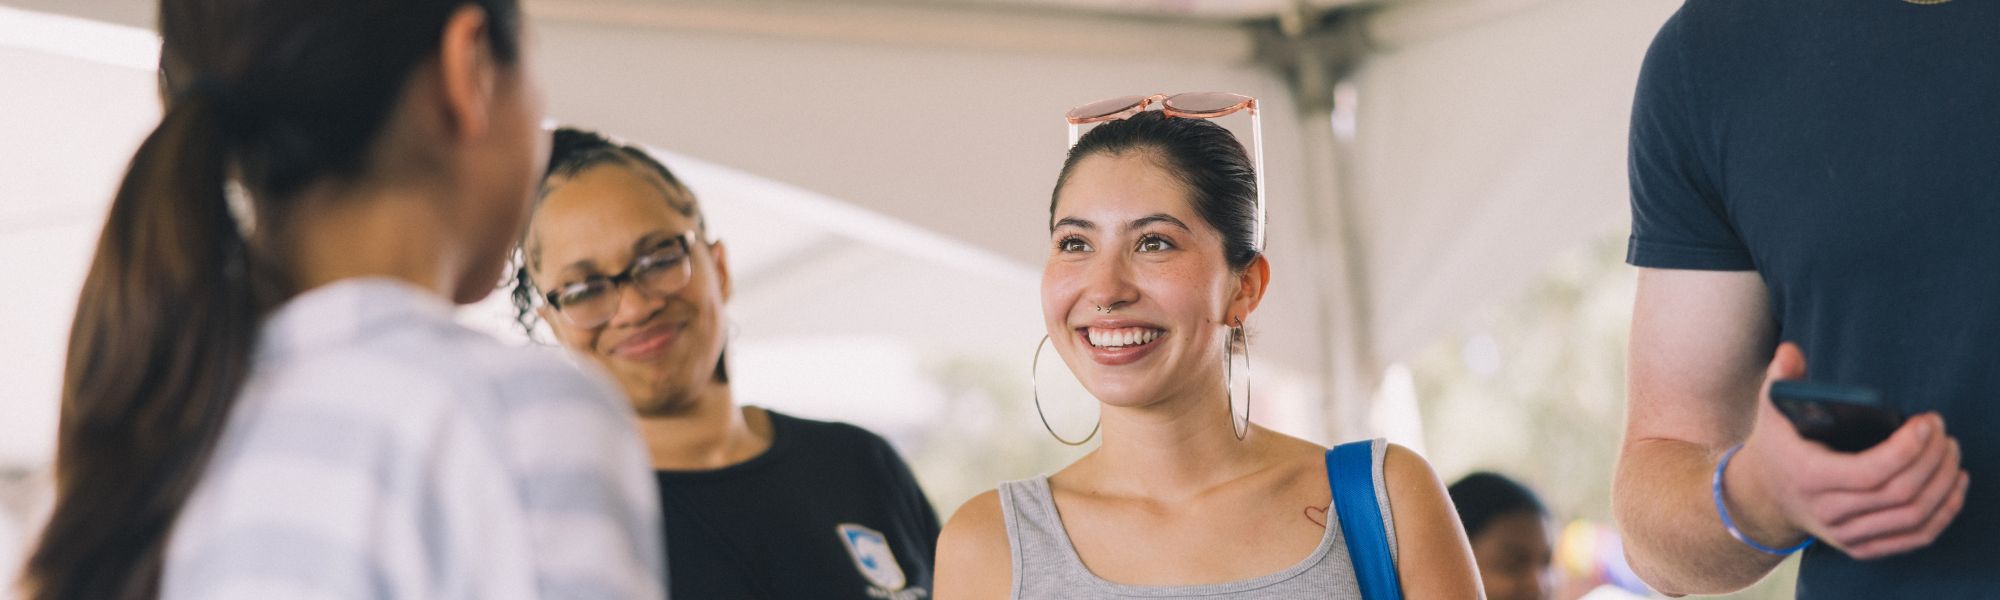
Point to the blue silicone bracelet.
(1730, 524)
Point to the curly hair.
(572, 152)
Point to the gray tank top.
(1046, 564)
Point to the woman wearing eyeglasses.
(757, 504)
(1155, 263)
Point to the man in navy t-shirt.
(1819, 180)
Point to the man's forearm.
(1673, 538)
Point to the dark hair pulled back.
(274, 95)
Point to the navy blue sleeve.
(1679, 219)
(911, 495)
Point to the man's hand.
(1890, 499)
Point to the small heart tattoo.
(1321, 519)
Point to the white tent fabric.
(69, 126)
(1487, 148)
(884, 169)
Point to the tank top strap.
(1035, 535)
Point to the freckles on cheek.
(1174, 277)
(1190, 287)
(1058, 289)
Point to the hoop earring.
(1229, 376)
(1034, 387)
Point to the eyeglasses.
(657, 273)
(1187, 105)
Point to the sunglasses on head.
(1186, 105)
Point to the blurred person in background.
(1813, 184)
(266, 395)
(1513, 539)
(1154, 263)
(758, 504)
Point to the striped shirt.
(380, 450)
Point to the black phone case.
(1844, 418)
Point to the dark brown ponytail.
(276, 94)
(160, 344)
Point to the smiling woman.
(757, 504)
(1154, 265)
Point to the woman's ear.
(1251, 284)
(721, 254)
(468, 76)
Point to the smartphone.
(1844, 418)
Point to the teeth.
(1116, 338)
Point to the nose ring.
(1104, 310)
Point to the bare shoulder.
(1416, 495)
(1288, 449)
(979, 520)
(1403, 470)
(974, 558)
(1430, 541)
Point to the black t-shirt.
(828, 512)
(1849, 152)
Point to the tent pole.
(1315, 52)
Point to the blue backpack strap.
(1351, 468)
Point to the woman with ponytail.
(265, 394)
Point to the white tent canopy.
(881, 170)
